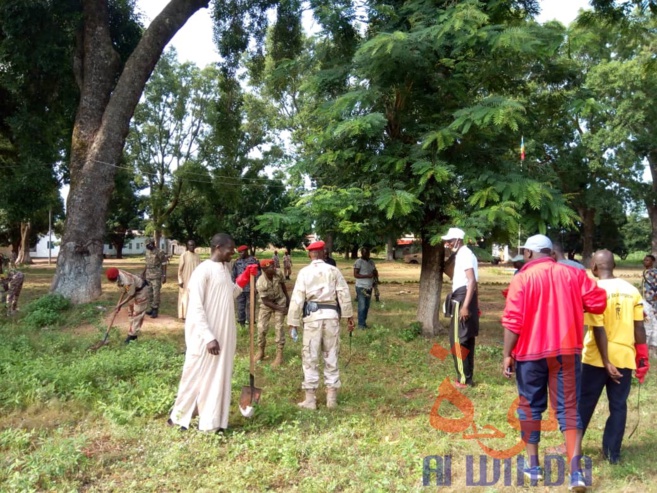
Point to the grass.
(73, 420)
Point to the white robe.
(205, 384)
(188, 262)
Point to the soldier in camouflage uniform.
(4, 287)
(274, 300)
(15, 285)
(136, 293)
(321, 296)
(155, 274)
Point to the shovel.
(104, 341)
(251, 394)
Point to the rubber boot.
(129, 339)
(310, 402)
(149, 312)
(153, 313)
(260, 355)
(331, 398)
(279, 358)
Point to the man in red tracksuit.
(543, 338)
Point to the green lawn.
(78, 421)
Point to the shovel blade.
(249, 397)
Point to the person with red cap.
(274, 300)
(320, 297)
(243, 300)
(135, 290)
(211, 340)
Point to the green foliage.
(46, 311)
(410, 333)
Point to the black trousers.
(594, 381)
(243, 307)
(463, 352)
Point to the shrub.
(413, 331)
(45, 311)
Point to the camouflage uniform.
(136, 287)
(15, 279)
(243, 300)
(273, 292)
(155, 260)
(321, 283)
(4, 287)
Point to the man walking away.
(365, 272)
(615, 344)
(543, 321)
(462, 305)
(188, 262)
(321, 296)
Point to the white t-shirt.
(465, 260)
(365, 267)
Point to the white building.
(45, 244)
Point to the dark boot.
(153, 313)
(149, 312)
(129, 339)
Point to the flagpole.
(522, 159)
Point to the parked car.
(413, 258)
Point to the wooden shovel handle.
(113, 317)
(252, 322)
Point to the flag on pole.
(522, 148)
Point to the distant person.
(365, 272)
(135, 295)
(287, 265)
(15, 280)
(328, 259)
(649, 292)
(615, 344)
(320, 298)
(243, 299)
(462, 306)
(542, 345)
(211, 340)
(559, 255)
(277, 261)
(518, 261)
(156, 275)
(189, 261)
(275, 301)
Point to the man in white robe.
(189, 261)
(210, 336)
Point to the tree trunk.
(390, 249)
(328, 240)
(101, 126)
(118, 243)
(588, 222)
(431, 283)
(24, 251)
(354, 252)
(651, 199)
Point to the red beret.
(266, 263)
(241, 248)
(316, 245)
(112, 273)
